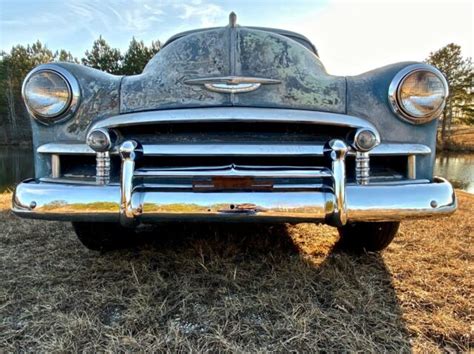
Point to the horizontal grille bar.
(387, 149)
(235, 171)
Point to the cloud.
(208, 14)
(133, 16)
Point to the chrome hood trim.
(232, 84)
(234, 114)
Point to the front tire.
(102, 236)
(367, 236)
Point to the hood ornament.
(232, 19)
(232, 84)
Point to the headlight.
(51, 93)
(418, 93)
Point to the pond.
(458, 168)
(17, 163)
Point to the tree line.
(459, 74)
(14, 66)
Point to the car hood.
(292, 76)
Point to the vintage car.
(235, 124)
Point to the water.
(16, 164)
(458, 168)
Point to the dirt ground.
(237, 288)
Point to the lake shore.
(460, 140)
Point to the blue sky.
(352, 36)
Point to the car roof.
(289, 34)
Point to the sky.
(351, 36)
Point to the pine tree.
(459, 74)
(64, 55)
(103, 57)
(14, 67)
(137, 56)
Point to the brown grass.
(461, 139)
(237, 288)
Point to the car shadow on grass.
(263, 287)
(196, 287)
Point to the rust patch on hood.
(234, 51)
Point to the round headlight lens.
(418, 93)
(47, 94)
(421, 94)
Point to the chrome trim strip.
(234, 88)
(70, 180)
(234, 114)
(235, 149)
(389, 149)
(232, 84)
(54, 201)
(294, 187)
(234, 171)
(65, 149)
(232, 80)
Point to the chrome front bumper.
(334, 203)
(54, 201)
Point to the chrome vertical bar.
(336, 151)
(130, 151)
(362, 169)
(411, 167)
(55, 166)
(102, 173)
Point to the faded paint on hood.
(234, 51)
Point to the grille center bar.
(236, 171)
(335, 150)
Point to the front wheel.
(368, 236)
(102, 236)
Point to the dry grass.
(237, 288)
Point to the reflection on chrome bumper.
(55, 201)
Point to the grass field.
(237, 288)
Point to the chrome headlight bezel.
(396, 85)
(73, 90)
